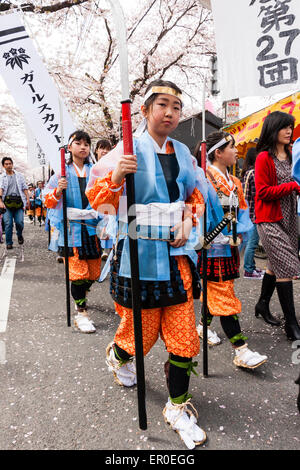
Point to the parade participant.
(276, 217)
(103, 146)
(248, 182)
(40, 210)
(165, 178)
(84, 247)
(106, 244)
(30, 212)
(226, 196)
(14, 199)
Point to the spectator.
(276, 217)
(14, 198)
(248, 181)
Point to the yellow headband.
(164, 90)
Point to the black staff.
(66, 246)
(133, 245)
(204, 264)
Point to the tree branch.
(30, 7)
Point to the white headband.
(225, 140)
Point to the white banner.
(258, 46)
(32, 88)
(35, 155)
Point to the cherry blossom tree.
(170, 39)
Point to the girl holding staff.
(166, 177)
(83, 243)
(226, 196)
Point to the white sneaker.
(244, 357)
(183, 421)
(212, 337)
(83, 323)
(124, 373)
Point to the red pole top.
(127, 128)
(203, 156)
(63, 162)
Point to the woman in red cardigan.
(276, 218)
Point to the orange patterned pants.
(39, 211)
(175, 324)
(221, 299)
(84, 268)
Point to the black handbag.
(13, 202)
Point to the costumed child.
(31, 211)
(165, 179)
(40, 210)
(103, 146)
(225, 195)
(83, 243)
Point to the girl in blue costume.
(83, 243)
(226, 196)
(166, 177)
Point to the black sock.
(177, 378)
(120, 353)
(78, 291)
(232, 329)
(209, 316)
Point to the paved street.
(56, 391)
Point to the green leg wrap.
(189, 366)
(178, 376)
(182, 399)
(80, 302)
(238, 337)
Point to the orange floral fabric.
(40, 211)
(226, 190)
(194, 205)
(176, 325)
(106, 194)
(221, 299)
(80, 269)
(51, 200)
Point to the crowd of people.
(172, 192)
